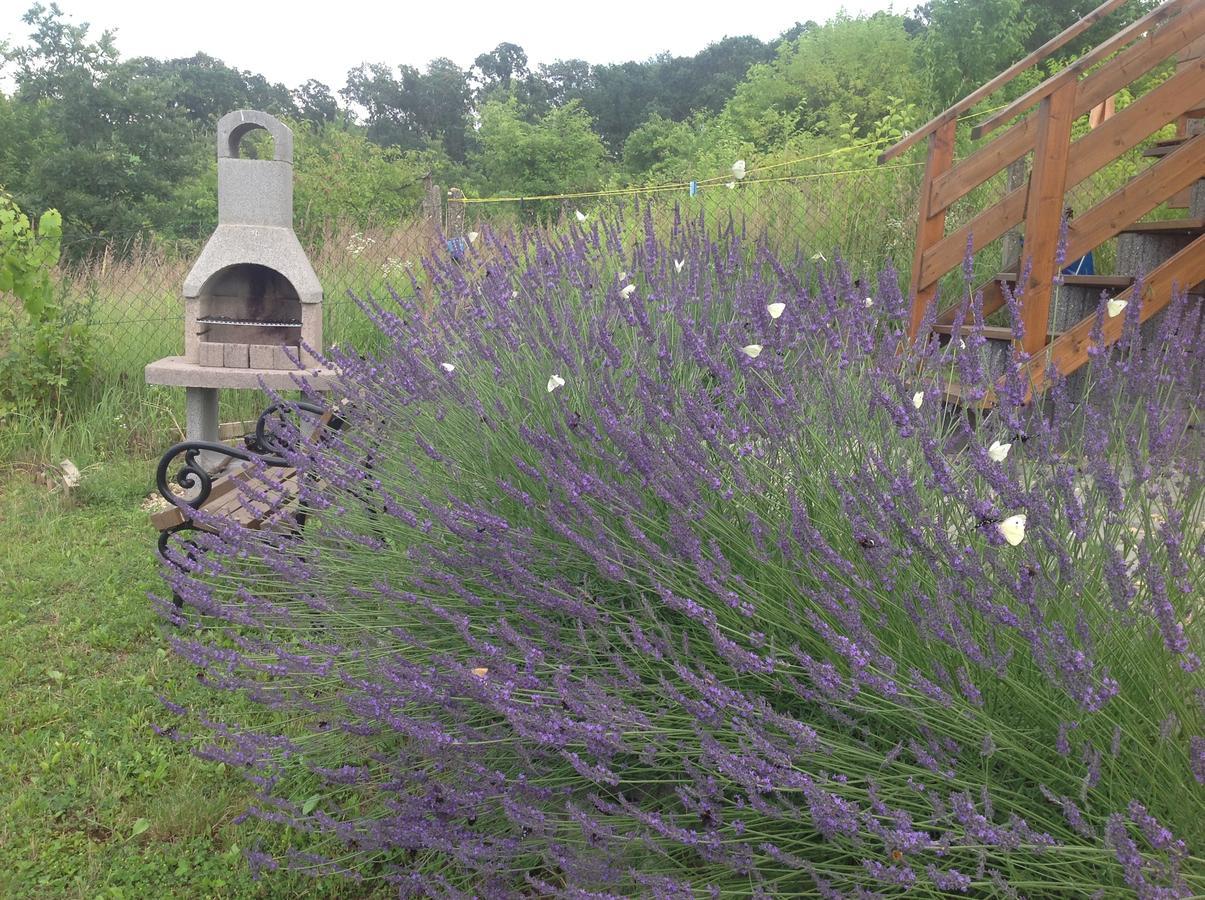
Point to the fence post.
(455, 223)
(1010, 245)
(431, 199)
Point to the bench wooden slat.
(254, 500)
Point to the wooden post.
(931, 222)
(1044, 212)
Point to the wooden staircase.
(1170, 254)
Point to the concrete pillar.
(201, 422)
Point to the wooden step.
(1096, 281)
(1162, 148)
(991, 332)
(1167, 226)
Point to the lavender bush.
(664, 570)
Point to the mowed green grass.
(92, 802)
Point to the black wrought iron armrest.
(192, 475)
(263, 441)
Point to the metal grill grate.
(222, 320)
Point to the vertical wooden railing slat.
(1044, 211)
(931, 222)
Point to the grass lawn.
(92, 802)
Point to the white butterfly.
(738, 168)
(998, 452)
(1115, 307)
(868, 302)
(1013, 529)
(678, 264)
(776, 309)
(472, 236)
(622, 276)
(753, 351)
(628, 291)
(918, 398)
(555, 382)
(447, 367)
(730, 184)
(819, 257)
(581, 216)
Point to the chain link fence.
(129, 288)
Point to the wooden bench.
(257, 489)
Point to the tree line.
(121, 146)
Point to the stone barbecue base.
(177, 372)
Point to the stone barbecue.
(252, 303)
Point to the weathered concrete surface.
(178, 372)
(276, 248)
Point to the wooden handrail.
(1153, 19)
(1120, 71)
(1091, 152)
(1055, 43)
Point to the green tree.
(849, 67)
(413, 109)
(559, 153)
(112, 145)
(967, 42)
(206, 88)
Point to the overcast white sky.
(290, 42)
